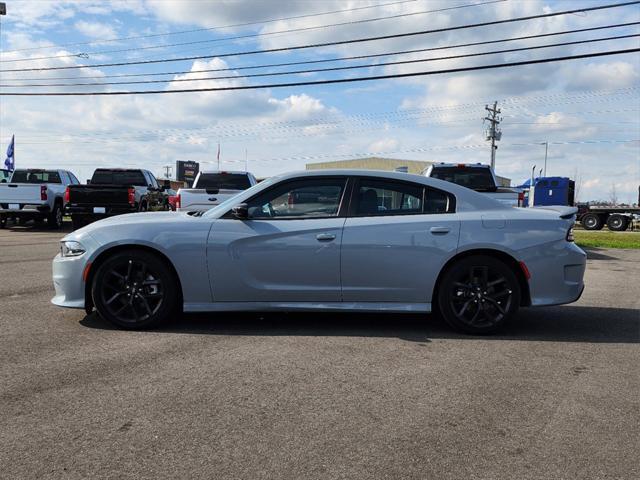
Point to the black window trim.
(353, 201)
(342, 207)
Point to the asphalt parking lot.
(246, 396)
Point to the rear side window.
(437, 201)
(115, 177)
(36, 176)
(382, 197)
(224, 181)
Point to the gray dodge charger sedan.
(327, 240)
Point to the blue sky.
(588, 110)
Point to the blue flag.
(10, 163)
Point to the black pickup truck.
(114, 191)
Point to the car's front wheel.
(134, 289)
(478, 294)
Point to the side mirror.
(240, 211)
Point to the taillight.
(132, 196)
(178, 201)
(570, 235)
(525, 270)
(43, 192)
(67, 195)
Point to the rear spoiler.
(566, 213)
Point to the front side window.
(313, 198)
(384, 197)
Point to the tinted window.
(381, 197)
(470, 177)
(119, 177)
(224, 181)
(73, 178)
(35, 176)
(154, 182)
(437, 201)
(304, 198)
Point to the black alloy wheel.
(478, 295)
(134, 289)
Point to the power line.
(180, 32)
(327, 60)
(331, 69)
(332, 81)
(335, 120)
(256, 35)
(326, 44)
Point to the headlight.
(71, 249)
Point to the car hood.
(129, 219)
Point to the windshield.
(241, 197)
(224, 181)
(35, 176)
(118, 177)
(471, 177)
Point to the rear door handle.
(325, 237)
(439, 230)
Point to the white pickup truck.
(35, 194)
(478, 177)
(212, 188)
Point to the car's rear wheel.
(55, 218)
(478, 294)
(134, 289)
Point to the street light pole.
(546, 149)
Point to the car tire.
(55, 218)
(3, 222)
(617, 223)
(591, 221)
(134, 289)
(478, 294)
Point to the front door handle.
(325, 237)
(439, 230)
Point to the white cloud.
(96, 30)
(601, 76)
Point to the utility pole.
(546, 149)
(494, 133)
(167, 171)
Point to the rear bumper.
(557, 273)
(109, 211)
(26, 209)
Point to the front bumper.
(557, 273)
(68, 282)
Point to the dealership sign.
(187, 171)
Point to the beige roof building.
(388, 164)
(373, 163)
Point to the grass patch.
(607, 239)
